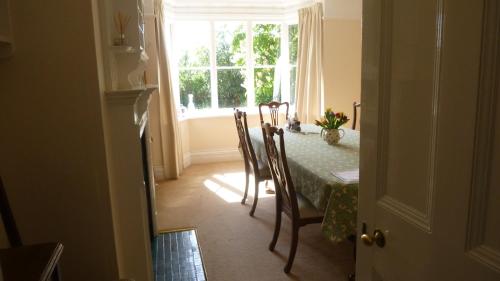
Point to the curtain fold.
(309, 89)
(171, 142)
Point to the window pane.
(293, 41)
(192, 41)
(231, 88)
(293, 73)
(231, 43)
(263, 83)
(197, 83)
(266, 43)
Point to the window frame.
(249, 66)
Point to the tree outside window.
(193, 61)
(230, 64)
(293, 40)
(220, 68)
(266, 49)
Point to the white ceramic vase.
(333, 136)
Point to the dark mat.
(177, 257)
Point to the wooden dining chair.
(253, 165)
(300, 210)
(274, 108)
(355, 106)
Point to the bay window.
(226, 64)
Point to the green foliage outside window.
(196, 82)
(293, 43)
(230, 82)
(266, 49)
(231, 53)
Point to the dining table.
(314, 167)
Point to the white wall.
(343, 9)
(52, 146)
(342, 55)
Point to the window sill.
(214, 113)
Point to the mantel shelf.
(129, 95)
(135, 100)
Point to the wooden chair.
(8, 219)
(252, 165)
(288, 201)
(34, 262)
(274, 108)
(355, 106)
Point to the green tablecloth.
(311, 162)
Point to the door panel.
(430, 148)
(409, 68)
(492, 227)
(483, 228)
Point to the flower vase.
(332, 136)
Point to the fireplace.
(132, 187)
(148, 183)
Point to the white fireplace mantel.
(138, 98)
(127, 134)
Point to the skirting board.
(212, 156)
(202, 157)
(159, 173)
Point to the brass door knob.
(377, 237)
(367, 240)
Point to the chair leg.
(247, 179)
(55, 274)
(293, 249)
(255, 198)
(277, 227)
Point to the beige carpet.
(235, 245)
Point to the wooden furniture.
(311, 162)
(288, 201)
(8, 219)
(355, 106)
(31, 263)
(252, 165)
(34, 262)
(274, 108)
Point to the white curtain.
(309, 90)
(171, 143)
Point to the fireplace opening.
(147, 183)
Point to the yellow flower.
(328, 110)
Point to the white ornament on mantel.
(136, 76)
(191, 106)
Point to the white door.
(430, 141)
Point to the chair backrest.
(8, 219)
(240, 118)
(274, 108)
(285, 191)
(355, 106)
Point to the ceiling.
(235, 8)
(235, 3)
